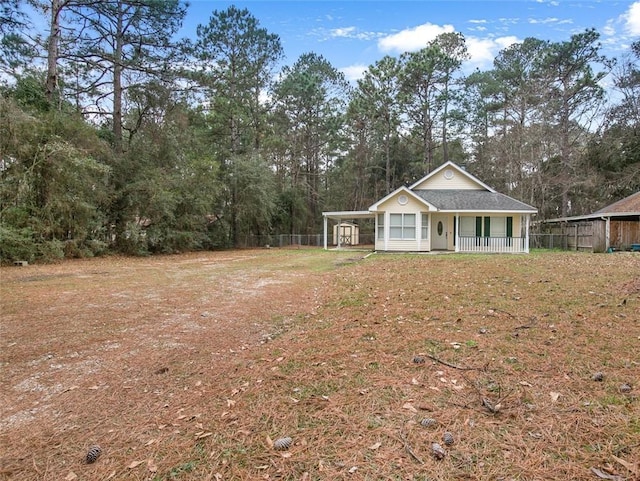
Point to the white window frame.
(467, 226)
(424, 228)
(405, 229)
(380, 235)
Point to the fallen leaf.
(409, 407)
(230, 403)
(269, 442)
(134, 464)
(603, 475)
(71, 476)
(203, 435)
(375, 446)
(525, 383)
(414, 381)
(151, 466)
(286, 455)
(353, 469)
(633, 467)
(555, 396)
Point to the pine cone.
(438, 451)
(282, 444)
(93, 454)
(428, 422)
(447, 438)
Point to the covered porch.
(491, 233)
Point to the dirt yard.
(195, 367)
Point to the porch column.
(339, 231)
(607, 234)
(457, 236)
(325, 232)
(526, 235)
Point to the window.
(467, 226)
(380, 226)
(498, 227)
(402, 226)
(424, 228)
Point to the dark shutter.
(509, 226)
(487, 226)
(455, 226)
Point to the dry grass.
(189, 367)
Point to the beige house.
(447, 210)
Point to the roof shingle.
(472, 200)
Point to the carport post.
(325, 232)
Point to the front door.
(439, 232)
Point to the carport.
(342, 216)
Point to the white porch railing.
(493, 244)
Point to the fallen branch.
(407, 446)
(453, 366)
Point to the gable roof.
(455, 167)
(406, 191)
(624, 209)
(481, 200)
(473, 201)
(628, 205)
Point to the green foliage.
(17, 244)
(53, 179)
(155, 165)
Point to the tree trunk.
(52, 51)
(117, 83)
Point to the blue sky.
(355, 34)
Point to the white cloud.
(632, 19)
(412, 39)
(343, 32)
(609, 29)
(484, 50)
(349, 32)
(354, 72)
(549, 20)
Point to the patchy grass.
(190, 367)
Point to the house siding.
(392, 206)
(440, 182)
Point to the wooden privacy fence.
(576, 236)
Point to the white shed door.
(439, 232)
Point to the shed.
(614, 227)
(349, 233)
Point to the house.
(447, 210)
(614, 227)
